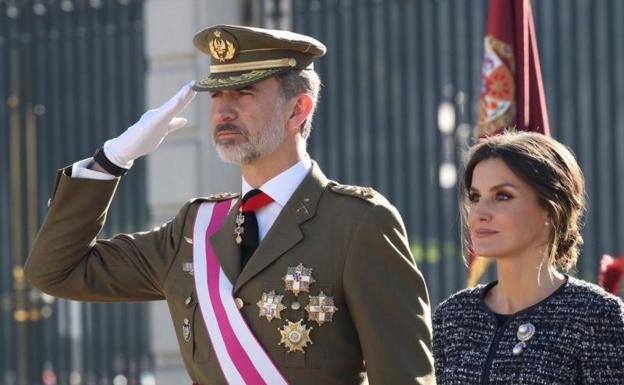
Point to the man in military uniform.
(301, 280)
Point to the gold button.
(295, 305)
(49, 202)
(188, 300)
(239, 303)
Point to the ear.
(302, 105)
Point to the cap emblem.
(221, 47)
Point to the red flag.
(611, 273)
(512, 92)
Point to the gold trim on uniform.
(295, 336)
(271, 305)
(221, 196)
(321, 308)
(239, 80)
(298, 279)
(358, 191)
(253, 65)
(222, 47)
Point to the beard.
(253, 146)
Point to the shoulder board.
(355, 191)
(217, 197)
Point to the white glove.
(146, 135)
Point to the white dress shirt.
(280, 188)
(80, 170)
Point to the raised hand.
(146, 135)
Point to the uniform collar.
(282, 186)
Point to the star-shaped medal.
(295, 336)
(321, 308)
(298, 279)
(271, 305)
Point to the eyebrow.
(501, 185)
(249, 87)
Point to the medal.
(187, 267)
(298, 279)
(252, 201)
(271, 305)
(295, 336)
(239, 230)
(186, 329)
(321, 308)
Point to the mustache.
(229, 127)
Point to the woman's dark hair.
(552, 171)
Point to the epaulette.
(355, 191)
(217, 197)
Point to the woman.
(524, 198)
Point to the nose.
(479, 213)
(222, 110)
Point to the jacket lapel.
(225, 247)
(285, 232)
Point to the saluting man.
(297, 280)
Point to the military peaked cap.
(244, 55)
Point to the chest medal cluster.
(295, 336)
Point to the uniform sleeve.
(81, 170)
(388, 301)
(602, 350)
(438, 346)
(68, 261)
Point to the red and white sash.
(241, 357)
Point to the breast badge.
(295, 336)
(271, 305)
(298, 279)
(321, 308)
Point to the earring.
(547, 223)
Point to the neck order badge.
(253, 200)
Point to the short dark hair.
(296, 82)
(551, 170)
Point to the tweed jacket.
(352, 238)
(578, 339)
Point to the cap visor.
(235, 80)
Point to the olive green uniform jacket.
(352, 238)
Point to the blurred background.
(398, 109)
